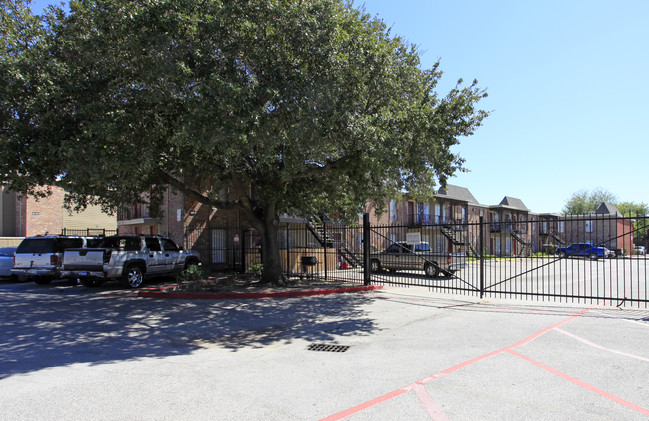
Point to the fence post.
(324, 233)
(243, 249)
(481, 257)
(366, 249)
(288, 256)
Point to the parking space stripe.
(413, 386)
(429, 404)
(594, 345)
(585, 385)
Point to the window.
(394, 249)
(169, 245)
(589, 226)
(152, 244)
(393, 210)
(562, 226)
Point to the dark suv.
(39, 259)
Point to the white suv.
(39, 259)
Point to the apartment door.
(219, 245)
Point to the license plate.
(83, 273)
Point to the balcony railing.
(426, 219)
(508, 227)
(133, 212)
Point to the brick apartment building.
(449, 222)
(24, 216)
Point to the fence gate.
(528, 259)
(511, 259)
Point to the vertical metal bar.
(243, 249)
(288, 256)
(481, 256)
(324, 233)
(366, 249)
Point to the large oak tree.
(313, 102)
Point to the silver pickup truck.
(128, 258)
(404, 256)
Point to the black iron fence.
(90, 232)
(594, 259)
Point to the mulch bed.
(237, 283)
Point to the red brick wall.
(40, 217)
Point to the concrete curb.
(254, 295)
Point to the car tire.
(431, 270)
(91, 283)
(592, 256)
(375, 266)
(133, 277)
(562, 254)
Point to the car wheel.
(562, 254)
(431, 270)
(592, 256)
(375, 266)
(133, 277)
(91, 283)
(43, 281)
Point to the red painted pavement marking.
(433, 409)
(585, 385)
(415, 385)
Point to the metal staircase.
(526, 249)
(556, 237)
(457, 238)
(325, 239)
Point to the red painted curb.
(253, 295)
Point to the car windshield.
(422, 247)
(36, 245)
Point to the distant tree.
(633, 209)
(312, 105)
(584, 201)
(638, 211)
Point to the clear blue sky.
(568, 90)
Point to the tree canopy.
(314, 103)
(583, 202)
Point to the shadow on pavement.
(52, 326)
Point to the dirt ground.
(250, 284)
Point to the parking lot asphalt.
(70, 352)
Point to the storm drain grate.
(328, 348)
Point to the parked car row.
(93, 260)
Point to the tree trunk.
(270, 256)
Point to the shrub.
(257, 269)
(192, 274)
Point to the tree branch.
(194, 194)
(314, 172)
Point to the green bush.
(192, 274)
(257, 269)
(550, 248)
